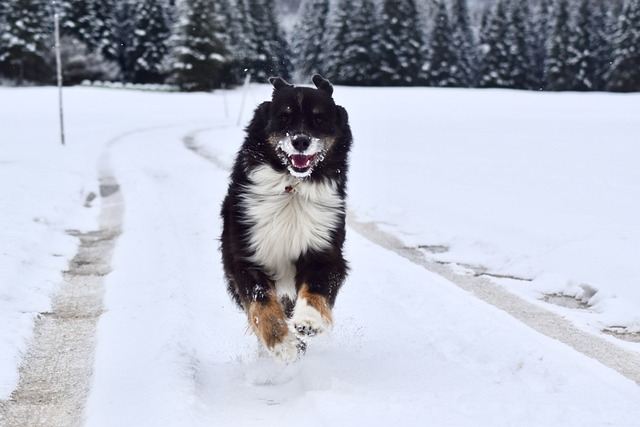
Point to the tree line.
(207, 44)
(194, 44)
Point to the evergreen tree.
(361, 52)
(105, 28)
(580, 52)
(241, 40)
(309, 45)
(443, 67)
(521, 53)
(557, 70)
(271, 57)
(495, 69)
(77, 21)
(350, 60)
(79, 64)
(89, 26)
(625, 70)
(540, 29)
(124, 33)
(147, 48)
(400, 45)
(3, 7)
(601, 38)
(198, 49)
(464, 44)
(26, 41)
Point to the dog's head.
(304, 125)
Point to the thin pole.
(247, 79)
(224, 101)
(59, 73)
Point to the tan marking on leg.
(268, 320)
(318, 302)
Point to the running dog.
(284, 216)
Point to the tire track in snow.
(550, 324)
(190, 141)
(55, 375)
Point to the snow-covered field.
(536, 191)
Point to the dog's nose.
(301, 142)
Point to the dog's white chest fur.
(285, 225)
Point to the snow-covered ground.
(537, 191)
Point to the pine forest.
(202, 45)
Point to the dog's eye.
(319, 120)
(285, 118)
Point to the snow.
(537, 187)
(524, 184)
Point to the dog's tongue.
(301, 161)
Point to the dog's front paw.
(307, 322)
(306, 329)
(288, 350)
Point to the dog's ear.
(322, 84)
(260, 118)
(278, 82)
(343, 116)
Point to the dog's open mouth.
(302, 162)
(301, 157)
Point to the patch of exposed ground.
(622, 333)
(565, 301)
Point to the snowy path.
(409, 345)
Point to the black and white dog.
(284, 216)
